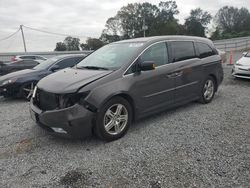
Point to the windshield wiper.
(93, 67)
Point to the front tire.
(26, 91)
(208, 90)
(114, 119)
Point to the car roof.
(167, 37)
(29, 55)
(69, 55)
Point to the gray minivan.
(124, 81)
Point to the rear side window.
(182, 50)
(69, 62)
(40, 58)
(27, 57)
(205, 50)
(29, 63)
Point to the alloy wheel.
(28, 91)
(115, 119)
(208, 90)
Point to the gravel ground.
(191, 146)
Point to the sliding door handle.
(179, 73)
(175, 74)
(171, 75)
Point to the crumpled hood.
(70, 80)
(19, 74)
(244, 61)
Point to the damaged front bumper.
(75, 121)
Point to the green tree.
(168, 9)
(92, 44)
(216, 35)
(197, 22)
(130, 19)
(60, 46)
(231, 22)
(165, 22)
(106, 38)
(112, 26)
(147, 16)
(231, 19)
(72, 44)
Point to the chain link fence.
(235, 44)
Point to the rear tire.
(114, 119)
(207, 90)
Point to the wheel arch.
(216, 81)
(127, 97)
(24, 84)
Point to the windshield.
(47, 63)
(247, 55)
(111, 56)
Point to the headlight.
(238, 64)
(6, 82)
(68, 100)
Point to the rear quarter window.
(69, 62)
(40, 58)
(30, 63)
(27, 57)
(182, 50)
(205, 50)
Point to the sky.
(85, 18)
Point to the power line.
(53, 33)
(5, 38)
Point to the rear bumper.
(219, 76)
(72, 122)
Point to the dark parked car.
(6, 68)
(124, 81)
(22, 83)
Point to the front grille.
(244, 69)
(45, 100)
(247, 75)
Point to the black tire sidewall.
(99, 126)
(22, 93)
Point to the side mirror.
(147, 66)
(244, 53)
(55, 68)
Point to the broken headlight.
(69, 100)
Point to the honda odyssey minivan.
(124, 81)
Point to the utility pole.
(144, 27)
(24, 44)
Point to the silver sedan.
(241, 68)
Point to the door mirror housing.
(147, 66)
(55, 68)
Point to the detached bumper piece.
(73, 122)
